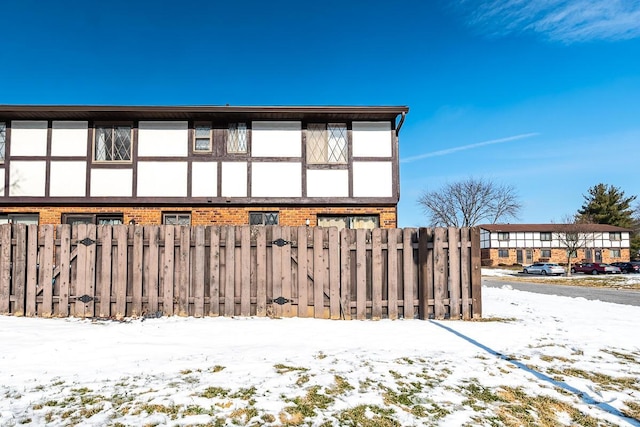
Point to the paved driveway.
(618, 296)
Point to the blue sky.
(543, 95)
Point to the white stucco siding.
(162, 179)
(27, 178)
(69, 138)
(372, 139)
(111, 182)
(234, 179)
(204, 179)
(276, 179)
(29, 138)
(327, 183)
(372, 179)
(163, 139)
(68, 179)
(276, 139)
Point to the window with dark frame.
(367, 222)
(545, 236)
(616, 236)
(503, 253)
(502, 236)
(20, 218)
(237, 137)
(176, 218)
(545, 253)
(264, 218)
(202, 138)
(97, 219)
(3, 140)
(326, 143)
(614, 253)
(112, 143)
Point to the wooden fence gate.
(119, 271)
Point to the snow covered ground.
(535, 360)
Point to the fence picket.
(334, 274)
(152, 268)
(392, 273)
(214, 271)
(345, 273)
(454, 272)
(302, 273)
(198, 271)
(64, 232)
(32, 269)
(245, 271)
(261, 272)
(138, 252)
(318, 274)
(119, 285)
(5, 268)
(440, 272)
(229, 288)
(47, 271)
(361, 275)
(376, 274)
(184, 270)
(476, 274)
(104, 278)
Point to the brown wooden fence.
(120, 271)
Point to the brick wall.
(220, 215)
(558, 255)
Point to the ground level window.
(176, 218)
(545, 253)
(264, 218)
(19, 219)
(97, 219)
(503, 253)
(614, 253)
(349, 221)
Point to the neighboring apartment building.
(200, 165)
(509, 244)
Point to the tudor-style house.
(200, 165)
(509, 244)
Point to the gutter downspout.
(400, 124)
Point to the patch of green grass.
(340, 387)
(211, 392)
(244, 393)
(367, 416)
(305, 406)
(494, 319)
(216, 368)
(283, 369)
(632, 410)
(607, 382)
(628, 357)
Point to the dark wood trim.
(47, 164)
(134, 159)
(395, 165)
(303, 153)
(196, 201)
(89, 158)
(249, 177)
(7, 162)
(350, 156)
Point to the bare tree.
(575, 235)
(468, 203)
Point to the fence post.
(476, 273)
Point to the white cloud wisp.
(566, 21)
(467, 147)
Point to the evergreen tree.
(607, 205)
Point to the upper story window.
(237, 138)
(545, 236)
(112, 143)
(503, 236)
(615, 236)
(3, 140)
(326, 143)
(202, 141)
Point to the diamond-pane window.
(113, 143)
(3, 140)
(263, 218)
(237, 138)
(203, 138)
(326, 143)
